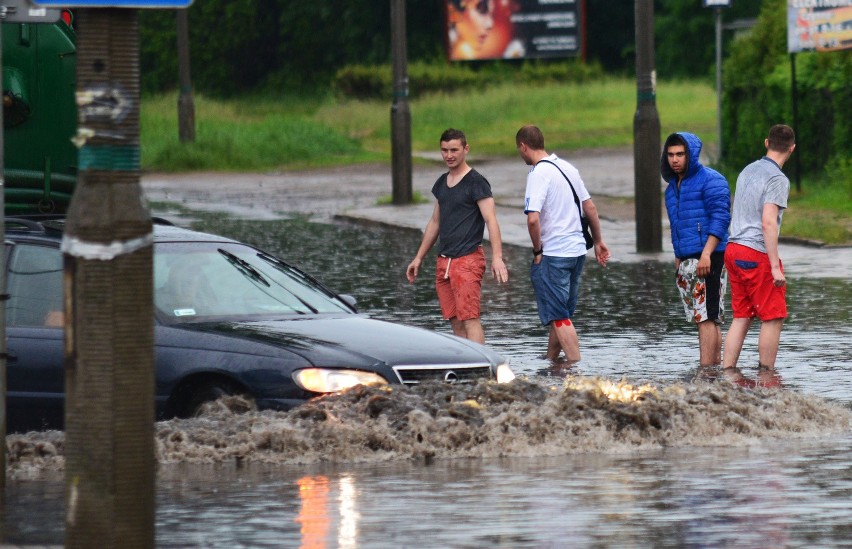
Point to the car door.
(35, 320)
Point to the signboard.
(21, 11)
(717, 3)
(513, 29)
(113, 3)
(819, 25)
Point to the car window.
(195, 280)
(35, 286)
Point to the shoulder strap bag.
(584, 223)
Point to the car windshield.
(195, 280)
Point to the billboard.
(512, 29)
(113, 3)
(819, 25)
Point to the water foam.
(522, 418)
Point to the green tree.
(686, 35)
(610, 30)
(758, 93)
(242, 45)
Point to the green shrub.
(758, 94)
(361, 81)
(839, 169)
(376, 81)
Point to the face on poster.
(478, 29)
(507, 29)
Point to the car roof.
(51, 228)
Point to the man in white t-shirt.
(559, 248)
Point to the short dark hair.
(452, 133)
(781, 138)
(673, 140)
(530, 136)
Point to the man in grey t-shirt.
(755, 272)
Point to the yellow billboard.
(819, 25)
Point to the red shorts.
(458, 281)
(753, 291)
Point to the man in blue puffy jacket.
(698, 201)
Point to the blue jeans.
(556, 281)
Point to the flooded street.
(628, 318)
(622, 449)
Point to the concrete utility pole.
(3, 350)
(400, 114)
(109, 334)
(186, 104)
(718, 13)
(646, 136)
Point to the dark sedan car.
(230, 319)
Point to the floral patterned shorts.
(703, 298)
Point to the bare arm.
(601, 250)
(703, 268)
(534, 228)
(769, 222)
(430, 236)
(717, 203)
(488, 211)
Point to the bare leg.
(768, 377)
(709, 343)
(473, 330)
(568, 340)
(553, 347)
(767, 342)
(458, 327)
(734, 340)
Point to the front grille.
(450, 373)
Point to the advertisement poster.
(513, 29)
(819, 25)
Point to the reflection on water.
(570, 458)
(771, 495)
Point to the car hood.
(351, 340)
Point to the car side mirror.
(349, 300)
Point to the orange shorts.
(458, 281)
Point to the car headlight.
(323, 380)
(504, 373)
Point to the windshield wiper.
(301, 276)
(244, 267)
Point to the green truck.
(39, 115)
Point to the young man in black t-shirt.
(463, 209)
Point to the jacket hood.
(693, 151)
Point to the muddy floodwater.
(632, 447)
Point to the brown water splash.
(522, 418)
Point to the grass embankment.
(821, 211)
(280, 133)
(288, 132)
